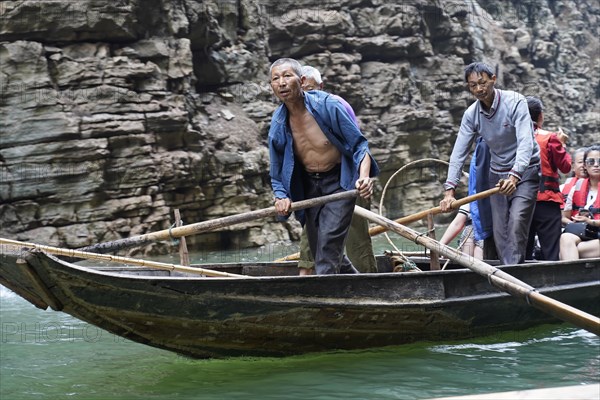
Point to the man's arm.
(560, 157)
(283, 203)
(464, 139)
(364, 184)
(527, 147)
(460, 151)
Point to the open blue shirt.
(340, 130)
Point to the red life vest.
(569, 184)
(549, 181)
(580, 198)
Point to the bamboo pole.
(496, 277)
(124, 260)
(206, 226)
(376, 230)
(435, 210)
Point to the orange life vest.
(580, 199)
(549, 181)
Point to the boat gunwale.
(309, 298)
(380, 275)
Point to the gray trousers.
(511, 216)
(327, 225)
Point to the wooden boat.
(278, 313)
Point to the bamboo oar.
(435, 210)
(497, 277)
(119, 259)
(376, 230)
(206, 226)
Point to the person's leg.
(548, 228)
(589, 249)
(334, 222)
(568, 246)
(359, 246)
(478, 253)
(533, 231)
(311, 189)
(306, 263)
(520, 213)
(327, 226)
(499, 205)
(469, 247)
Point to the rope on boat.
(405, 259)
(403, 264)
(460, 246)
(174, 239)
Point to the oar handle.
(206, 226)
(435, 210)
(376, 230)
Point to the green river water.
(50, 355)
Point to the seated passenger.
(577, 172)
(581, 237)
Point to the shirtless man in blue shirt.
(316, 149)
(501, 118)
(359, 246)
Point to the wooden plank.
(435, 257)
(184, 256)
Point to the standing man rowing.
(502, 119)
(316, 149)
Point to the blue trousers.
(327, 225)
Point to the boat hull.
(283, 315)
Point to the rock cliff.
(115, 113)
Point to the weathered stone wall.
(114, 113)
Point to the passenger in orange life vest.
(581, 238)
(578, 172)
(546, 222)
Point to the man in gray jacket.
(501, 118)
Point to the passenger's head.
(284, 75)
(311, 78)
(578, 167)
(591, 159)
(536, 110)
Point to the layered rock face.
(115, 113)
